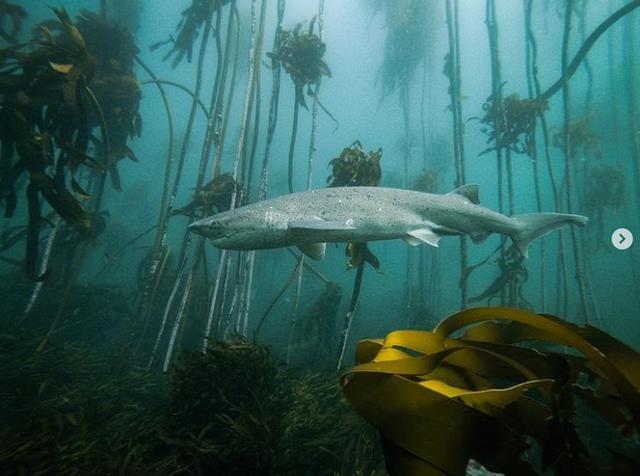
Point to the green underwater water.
(129, 345)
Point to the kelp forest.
(130, 345)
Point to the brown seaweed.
(511, 122)
(78, 77)
(300, 53)
(491, 394)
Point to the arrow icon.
(622, 239)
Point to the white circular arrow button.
(622, 239)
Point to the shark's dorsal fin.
(422, 235)
(314, 250)
(470, 192)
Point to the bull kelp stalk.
(533, 74)
(160, 251)
(44, 263)
(215, 136)
(572, 67)
(535, 161)
(249, 263)
(214, 307)
(292, 141)
(300, 52)
(422, 255)
(453, 70)
(585, 171)
(186, 295)
(239, 164)
(404, 101)
(222, 110)
(348, 320)
(192, 114)
(248, 180)
(429, 273)
(498, 121)
(220, 284)
(200, 258)
(276, 69)
(74, 270)
(161, 235)
(314, 107)
(165, 317)
(213, 113)
(312, 149)
(271, 126)
(566, 150)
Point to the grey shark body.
(311, 219)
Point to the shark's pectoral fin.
(321, 224)
(314, 250)
(422, 235)
(411, 240)
(470, 191)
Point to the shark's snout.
(199, 227)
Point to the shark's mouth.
(221, 240)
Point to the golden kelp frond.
(439, 401)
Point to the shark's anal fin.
(320, 224)
(479, 237)
(314, 250)
(422, 235)
(470, 191)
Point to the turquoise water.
(148, 293)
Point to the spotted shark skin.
(311, 219)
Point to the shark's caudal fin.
(530, 226)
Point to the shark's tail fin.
(530, 226)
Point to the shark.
(311, 219)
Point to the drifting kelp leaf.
(438, 430)
(76, 157)
(359, 253)
(71, 29)
(131, 154)
(61, 68)
(33, 233)
(610, 408)
(75, 186)
(614, 360)
(423, 390)
(62, 201)
(194, 17)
